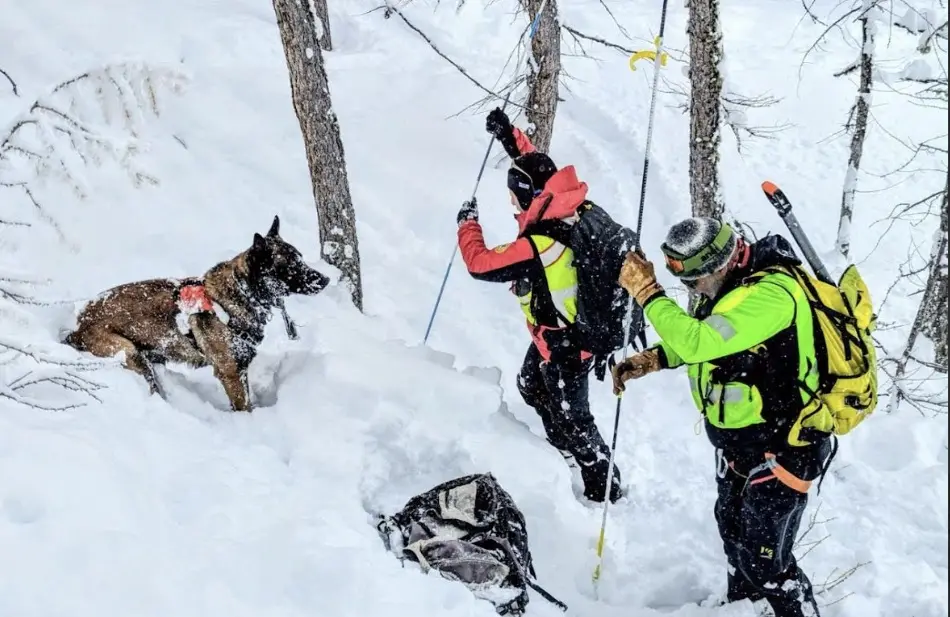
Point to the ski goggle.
(684, 267)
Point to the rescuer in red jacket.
(554, 377)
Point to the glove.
(498, 124)
(638, 278)
(635, 367)
(468, 211)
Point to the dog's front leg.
(214, 339)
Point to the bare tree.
(543, 72)
(705, 52)
(322, 19)
(932, 314)
(857, 125)
(320, 128)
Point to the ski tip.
(770, 187)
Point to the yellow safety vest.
(561, 278)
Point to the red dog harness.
(194, 299)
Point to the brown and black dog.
(215, 320)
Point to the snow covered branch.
(16, 288)
(734, 111)
(44, 381)
(922, 22)
(75, 118)
(83, 120)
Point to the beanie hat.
(528, 175)
(698, 246)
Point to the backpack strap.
(556, 229)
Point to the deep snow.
(144, 507)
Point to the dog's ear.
(259, 245)
(274, 228)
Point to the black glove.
(468, 211)
(498, 124)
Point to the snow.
(918, 69)
(131, 505)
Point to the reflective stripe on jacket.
(746, 359)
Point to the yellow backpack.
(847, 361)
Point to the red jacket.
(519, 259)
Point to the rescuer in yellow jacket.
(750, 355)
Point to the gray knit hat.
(698, 246)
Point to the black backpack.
(468, 530)
(600, 245)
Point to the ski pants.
(759, 511)
(558, 391)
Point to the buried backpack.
(468, 530)
(599, 245)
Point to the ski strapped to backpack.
(599, 245)
(844, 320)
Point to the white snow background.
(133, 506)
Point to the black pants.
(759, 517)
(558, 391)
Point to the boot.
(799, 603)
(594, 475)
(739, 588)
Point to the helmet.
(698, 246)
(528, 175)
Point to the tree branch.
(388, 11)
(622, 30)
(580, 35)
(12, 83)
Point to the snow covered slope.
(135, 506)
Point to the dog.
(215, 320)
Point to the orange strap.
(782, 475)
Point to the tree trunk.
(705, 53)
(931, 318)
(310, 91)
(858, 123)
(543, 72)
(933, 308)
(322, 19)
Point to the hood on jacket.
(566, 193)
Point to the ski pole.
(481, 170)
(448, 269)
(629, 315)
(784, 207)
